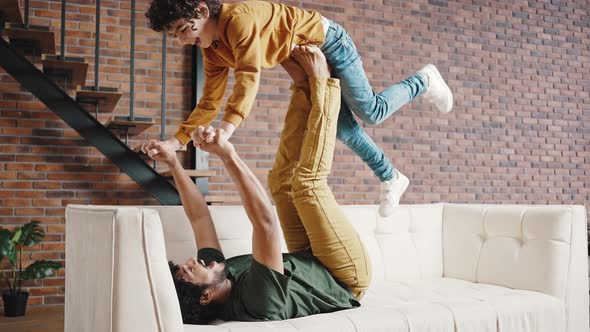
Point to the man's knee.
(301, 182)
(275, 182)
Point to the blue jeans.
(358, 97)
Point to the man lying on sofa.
(327, 268)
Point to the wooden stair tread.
(75, 70)
(193, 173)
(11, 11)
(133, 127)
(220, 199)
(43, 40)
(107, 100)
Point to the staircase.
(90, 111)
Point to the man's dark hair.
(189, 295)
(162, 13)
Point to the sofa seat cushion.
(441, 304)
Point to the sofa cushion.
(440, 304)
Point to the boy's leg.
(333, 239)
(360, 98)
(393, 182)
(369, 106)
(352, 135)
(288, 153)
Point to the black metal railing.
(62, 54)
(163, 97)
(27, 14)
(97, 46)
(132, 65)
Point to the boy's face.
(196, 31)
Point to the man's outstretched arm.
(266, 240)
(192, 200)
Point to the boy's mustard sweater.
(252, 35)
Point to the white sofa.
(437, 267)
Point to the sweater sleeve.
(244, 38)
(210, 102)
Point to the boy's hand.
(216, 142)
(161, 151)
(206, 135)
(203, 135)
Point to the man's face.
(196, 31)
(197, 273)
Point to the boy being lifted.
(248, 36)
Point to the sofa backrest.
(405, 246)
(522, 247)
(410, 242)
(536, 248)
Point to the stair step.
(133, 127)
(72, 69)
(10, 11)
(34, 40)
(105, 98)
(193, 173)
(220, 199)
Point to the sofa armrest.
(117, 276)
(577, 296)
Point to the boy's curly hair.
(189, 296)
(162, 13)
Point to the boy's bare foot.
(294, 70)
(312, 60)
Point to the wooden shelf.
(105, 98)
(73, 70)
(34, 40)
(135, 127)
(220, 199)
(193, 173)
(10, 10)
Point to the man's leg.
(333, 239)
(288, 153)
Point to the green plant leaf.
(40, 269)
(32, 234)
(16, 236)
(7, 248)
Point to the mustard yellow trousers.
(308, 212)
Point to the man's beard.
(220, 276)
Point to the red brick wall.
(519, 132)
(45, 165)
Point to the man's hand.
(206, 136)
(161, 152)
(215, 141)
(172, 143)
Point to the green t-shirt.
(260, 293)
